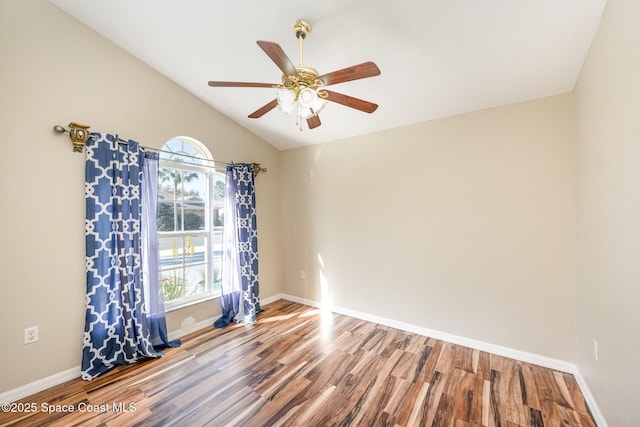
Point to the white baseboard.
(523, 356)
(274, 298)
(39, 385)
(548, 362)
(591, 401)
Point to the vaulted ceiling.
(437, 57)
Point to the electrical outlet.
(595, 349)
(31, 335)
(302, 275)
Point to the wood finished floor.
(298, 368)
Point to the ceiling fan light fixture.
(309, 99)
(286, 100)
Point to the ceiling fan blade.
(350, 101)
(264, 109)
(277, 55)
(313, 121)
(241, 84)
(360, 71)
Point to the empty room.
(285, 213)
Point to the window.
(190, 217)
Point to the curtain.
(240, 287)
(150, 253)
(116, 326)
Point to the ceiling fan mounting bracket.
(301, 29)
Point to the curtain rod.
(79, 135)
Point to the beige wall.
(53, 70)
(463, 225)
(608, 213)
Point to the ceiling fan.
(303, 90)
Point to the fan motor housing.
(306, 77)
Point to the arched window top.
(187, 150)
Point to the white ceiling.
(438, 57)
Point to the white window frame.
(183, 161)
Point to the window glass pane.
(218, 217)
(195, 282)
(172, 284)
(194, 220)
(217, 278)
(197, 250)
(194, 259)
(181, 200)
(183, 266)
(175, 145)
(170, 184)
(217, 203)
(194, 202)
(218, 189)
(166, 216)
(174, 184)
(217, 241)
(181, 151)
(193, 184)
(170, 253)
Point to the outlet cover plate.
(31, 335)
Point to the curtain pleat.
(240, 286)
(150, 254)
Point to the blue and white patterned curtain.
(116, 326)
(240, 288)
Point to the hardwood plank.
(375, 403)
(528, 387)
(483, 369)
(487, 410)
(298, 366)
(432, 401)
(412, 397)
(281, 402)
(561, 390)
(310, 408)
(460, 390)
(398, 396)
(418, 414)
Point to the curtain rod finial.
(78, 134)
(257, 169)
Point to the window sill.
(180, 305)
